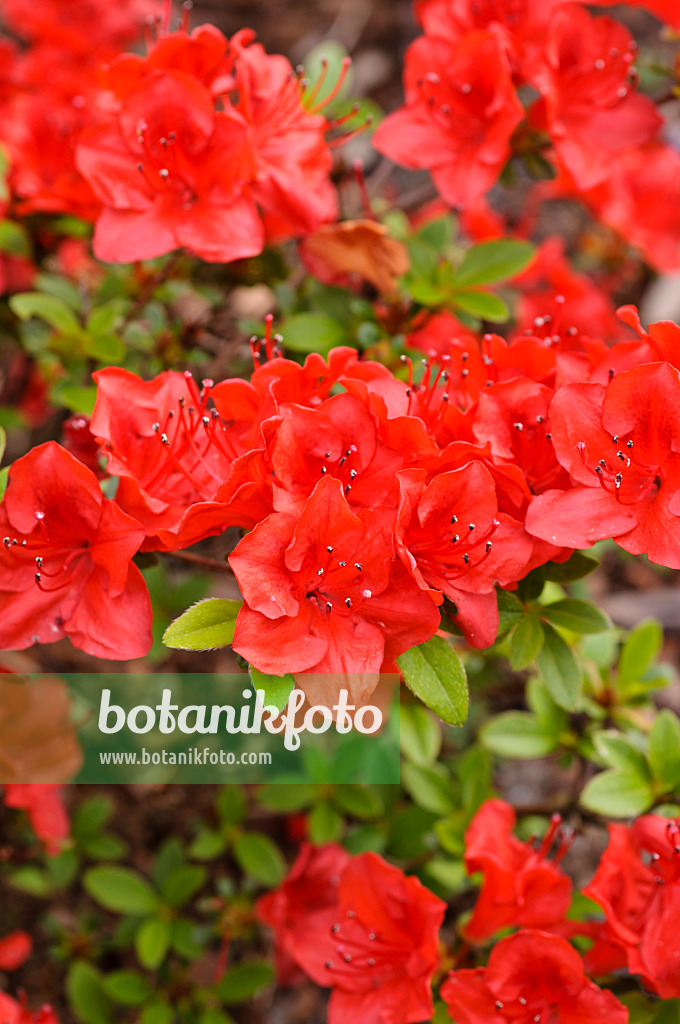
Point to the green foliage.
(435, 674)
(205, 626)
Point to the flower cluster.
(493, 80)
(360, 927)
(206, 143)
(369, 499)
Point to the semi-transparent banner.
(193, 728)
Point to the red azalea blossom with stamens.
(461, 110)
(381, 952)
(621, 446)
(637, 883)
(66, 561)
(162, 172)
(531, 977)
(452, 538)
(590, 106)
(324, 591)
(306, 899)
(521, 887)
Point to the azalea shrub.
(272, 403)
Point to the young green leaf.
(526, 641)
(260, 858)
(579, 616)
(435, 673)
(277, 689)
(518, 734)
(420, 734)
(120, 889)
(152, 942)
(203, 627)
(481, 304)
(618, 793)
(495, 261)
(640, 650)
(664, 750)
(559, 670)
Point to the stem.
(207, 563)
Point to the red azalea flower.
(621, 446)
(203, 54)
(591, 109)
(451, 537)
(15, 950)
(584, 305)
(628, 201)
(531, 976)
(288, 137)
(42, 127)
(381, 952)
(461, 110)
(513, 417)
(324, 592)
(637, 884)
(339, 439)
(520, 25)
(66, 561)
(521, 888)
(45, 809)
(661, 340)
(80, 26)
(306, 899)
(13, 1012)
(171, 172)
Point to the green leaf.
(518, 734)
(575, 568)
(617, 751)
(286, 798)
(86, 995)
(127, 988)
(31, 880)
(429, 788)
(277, 689)
(481, 304)
(152, 942)
(640, 650)
(105, 348)
(323, 69)
(324, 824)
(420, 735)
(579, 616)
(559, 670)
(664, 749)
(208, 845)
(14, 239)
(618, 793)
(259, 858)
(157, 1012)
(361, 802)
(3, 442)
(76, 397)
(121, 890)
(495, 261)
(48, 307)
(668, 1012)
(205, 626)
(435, 673)
(312, 332)
(526, 641)
(182, 883)
(241, 983)
(510, 610)
(4, 480)
(232, 806)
